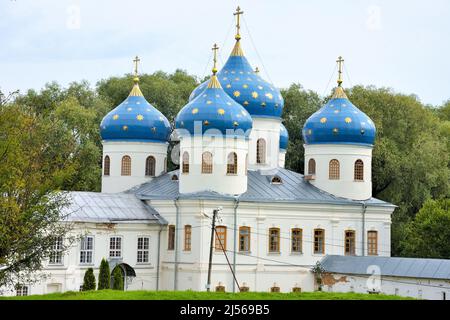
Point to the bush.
(104, 281)
(117, 279)
(89, 280)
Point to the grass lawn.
(192, 295)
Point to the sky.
(401, 44)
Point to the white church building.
(273, 224)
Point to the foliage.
(32, 168)
(192, 295)
(318, 271)
(104, 276)
(117, 278)
(428, 234)
(89, 280)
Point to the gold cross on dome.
(340, 62)
(215, 48)
(136, 62)
(238, 22)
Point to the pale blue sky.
(403, 44)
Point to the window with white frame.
(143, 249)
(56, 254)
(115, 247)
(21, 290)
(87, 250)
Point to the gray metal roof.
(260, 189)
(109, 207)
(389, 266)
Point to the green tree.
(117, 278)
(104, 276)
(31, 208)
(428, 234)
(89, 280)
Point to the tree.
(104, 276)
(31, 207)
(117, 279)
(428, 234)
(89, 280)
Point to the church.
(271, 225)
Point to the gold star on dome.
(129, 109)
(269, 95)
(229, 103)
(260, 87)
(263, 104)
(246, 103)
(255, 94)
(125, 128)
(140, 117)
(235, 123)
(138, 102)
(233, 72)
(195, 110)
(217, 95)
(115, 117)
(243, 113)
(208, 102)
(336, 111)
(309, 132)
(206, 122)
(335, 131)
(241, 72)
(323, 120)
(224, 78)
(236, 79)
(228, 85)
(249, 79)
(245, 86)
(348, 120)
(236, 93)
(221, 111)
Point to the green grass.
(192, 295)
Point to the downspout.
(177, 227)
(236, 204)
(364, 208)
(158, 258)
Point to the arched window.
(333, 171)
(106, 166)
(232, 163)
(296, 245)
(185, 160)
(312, 166)
(350, 242)
(372, 243)
(150, 164)
(261, 151)
(207, 162)
(126, 166)
(319, 241)
(274, 240)
(221, 238)
(359, 170)
(187, 237)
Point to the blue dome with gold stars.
(246, 87)
(135, 120)
(213, 112)
(284, 137)
(339, 122)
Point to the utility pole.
(213, 228)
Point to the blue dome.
(214, 109)
(135, 120)
(339, 122)
(284, 137)
(246, 87)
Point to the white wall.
(282, 158)
(268, 129)
(138, 151)
(346, 186)
(218, 180)
(431, 289)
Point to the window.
(276, 180)
(221, 238)
(150, 164)
(349, 242)
(174, 177)
(244, 239)
(207, 162)
(244, 288)
(126, 166)
(187, 237)
(106, 166)
(56, 254)
(220, 288)
(185, 165)
(171, 238)
(143, 244)
(296, 245)
(115, 247)
(21, 290)
(86, 250)
(261, 151)
(275, 289)
(312, 166)
(333, 172)
(297, 289)
(319, 241)
(274, 240)
(232, 163)
(372, 243)
(359, 170)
